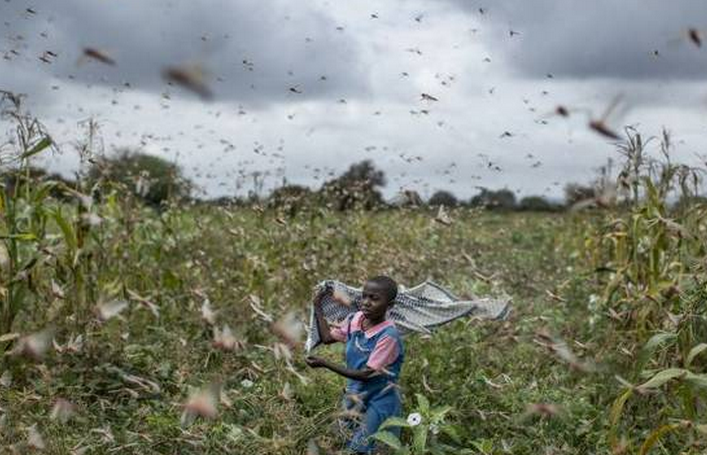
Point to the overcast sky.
(303, 89)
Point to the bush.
(407, 198)
(355, 188)
(503, 199)
(574, 193)
(150, 178)
(442, 197)
(537, 204)
(291, 198)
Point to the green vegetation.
(150, 178)
(442, 197)
(122, 324)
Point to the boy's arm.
(359, 375)
(322, 324)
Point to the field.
(133, 373)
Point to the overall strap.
(392, 332)
(348, 330)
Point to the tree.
(291, 198)
(355, 188)
(407, 198)
(443, 197)
(537, 204)
(503, 199)
(575, 192)
(151, 178)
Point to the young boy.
(374, 357)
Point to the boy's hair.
(388, 284)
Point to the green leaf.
(652, 346)
(656, 435)
(38, 147)
(484, 446)
(696, 380)
(439, 413)
(43, 191)
(687, 397)
(423, 404)
(663, 377)
(452, 432)
(694, 352)
(394, 422)
(419, 439)
(66, 229)
(24, 236)
(387, 438)
(616, 410)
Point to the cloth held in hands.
(418, 309)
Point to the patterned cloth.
(417, 309)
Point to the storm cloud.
(628, 39)
(440, 95)
(253, 51)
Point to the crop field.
(108, 340)
(132, 373)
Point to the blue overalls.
(376, 399)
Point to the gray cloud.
(599, 38)
(253, 51)
(374, 63)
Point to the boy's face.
(375, 301)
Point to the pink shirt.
(386, 350)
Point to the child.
(374, 357)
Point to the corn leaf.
(655, 435)
(616, 410)
(662, 377)
(25, 236)
(694, 352)
(43, 192)
(38, 147)
(696, 380)
(652, 345)
(66, 229)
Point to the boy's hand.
(315, 362)
(341, 298)
(318, 297)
